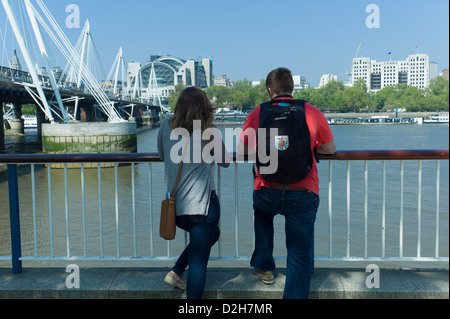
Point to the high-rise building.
(417, 70)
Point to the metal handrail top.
(154, 157)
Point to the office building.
(417, 70)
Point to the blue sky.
(249, 38)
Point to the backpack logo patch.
(282, 143)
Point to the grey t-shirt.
(196, 182)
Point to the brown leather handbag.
(168, 225)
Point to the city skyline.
(248, 40)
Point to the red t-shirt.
(320, 134)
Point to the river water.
(348, 137)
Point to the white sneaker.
(174, 280)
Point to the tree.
(175, 94)
(412, 99)
(354, 98)
(332, 95)
(220, 95)
(385, 98)
(245, 96)
(29, 109)
(242, 99)
(259, 94)
(437, 95)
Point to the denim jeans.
(203, 234)
(299, 209)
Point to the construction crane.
(349, 71)
(349, 74)
(360, 50)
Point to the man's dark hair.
(280, 81)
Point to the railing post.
(16, 249)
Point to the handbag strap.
(181, 167)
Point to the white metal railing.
(150, 195)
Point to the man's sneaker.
(174, 280)
(265, 276)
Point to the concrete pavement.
(222, 283)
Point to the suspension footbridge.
(77, 92)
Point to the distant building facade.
(156, 78)
(300, 83)
(326, 78)
(223, 81)
(417, 70)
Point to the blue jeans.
(204, 232)
(299, 209)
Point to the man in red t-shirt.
(298, 202)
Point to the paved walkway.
(229, 283)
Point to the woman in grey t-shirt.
(197, 204)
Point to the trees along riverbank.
(335, 97)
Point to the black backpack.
(292, 143)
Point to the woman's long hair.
(193, 104)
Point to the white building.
(416, 70)
(421, 70)
(361, 69)
(326, 78)
(223, 81)
(300, 82)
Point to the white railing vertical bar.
(219, 195)
(100, 208)
(33, 198)
(66, 209)
(83, 203)
(366, 206)
(236, 206)
(438, 189)
(50, 209)
(419, 210)
(133, 205)
(150, 190)
(383, 214)
(116, 195)
(330, 208)
(169, 249)
(348, 210)
(401, 222)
